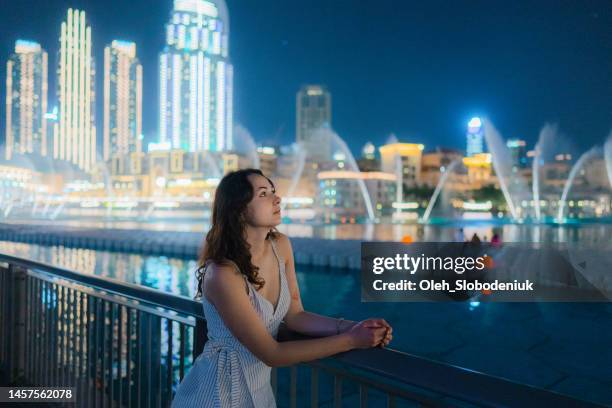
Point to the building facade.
(26, 100)
(339, 194)
(404, 160)
(313, 117)
(196, 78)
(435, 163)
(475, 137)
(76, 136)
(518, 153)
(122, 100)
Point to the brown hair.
(226, 240)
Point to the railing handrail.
(403, 368)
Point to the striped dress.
(227, 374)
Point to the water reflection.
(159, 272)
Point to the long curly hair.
(226, 239)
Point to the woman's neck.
(256, 238)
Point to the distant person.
(475, 239)
(496, 240)
(459, 235)
(247, 285)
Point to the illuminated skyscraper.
(475, 137)
(26, 100)
(195, 100)
(313, 111)
(122, 100)
(76, 137)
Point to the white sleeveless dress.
(227, 374)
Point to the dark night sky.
(417, 69)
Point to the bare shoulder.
(284, 245)
(222, 278)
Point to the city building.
(518, 153)
(313, 117)
(475, 137)
(122, 100)
(196, 78)
(52, 125)
(26, 100)
(554, 174)
(434, 163)
(368, 161)
(403, 159)
(268, 159)
(340, 195)
(480, 170)
(169, 173)
(76, 136)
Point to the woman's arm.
(316, 325)
(297, 319)
(225, 288)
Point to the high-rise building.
(196, 77)
(76, 137)
(518, 152)
(26, 100)
(475, 137)
(122, 100)
(51, 119)
(313, 113)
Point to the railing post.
(17, 355)
(200, 335)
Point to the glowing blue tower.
(196, 76)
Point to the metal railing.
(121, 344)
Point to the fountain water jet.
(545, 140)
(502, 164)
(247, 146)
(301, 159)
(594, 151)
(608, 157)
(436, 193)
(325, 135)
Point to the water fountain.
(432, 201)
(512, 185)
(547, 137)
(338, 145)
(594, 151)
(245, 145)
(608, 157)
(300, 152)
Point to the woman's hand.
(368, 333)
(378, 322)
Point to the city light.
(475, 123)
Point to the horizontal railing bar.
(137, 304)
(168, 301)
(443, 379)
(451, 381)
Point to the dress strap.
(280, 260)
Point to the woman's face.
(264, 208)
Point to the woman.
(248, 286)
